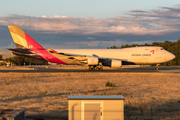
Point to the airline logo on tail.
(24, 41)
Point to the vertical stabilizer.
(21, 39)
(24, 41)
(18, 36)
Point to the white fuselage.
(137, 55)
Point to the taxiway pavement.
(70, 69)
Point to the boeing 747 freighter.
(94, 58)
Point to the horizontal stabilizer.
(24, 51)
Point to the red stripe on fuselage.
(33, 45)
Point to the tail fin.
(21, 39)
(18, 36)
(24, 41)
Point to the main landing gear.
(95, 67)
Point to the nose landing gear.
(157, 67)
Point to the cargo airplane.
(94, 58)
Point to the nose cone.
(171, 56)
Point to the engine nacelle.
(92, 61)
(116, 64)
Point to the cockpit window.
(162, 49)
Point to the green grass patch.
(110, 84)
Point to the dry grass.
(146, 94)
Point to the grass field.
(147, 95)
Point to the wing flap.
(75, 55)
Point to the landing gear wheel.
(157, 68)
(97, 68)
(90, 68)
(100, 68)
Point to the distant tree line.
(20, 60)
(173, 47)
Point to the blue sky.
(80, 8)
(67, 23)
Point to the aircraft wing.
(93, 55)
(76, 55)
(101, 59)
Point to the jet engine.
(92, 61)
(116, 64)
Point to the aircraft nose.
(171, 56)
